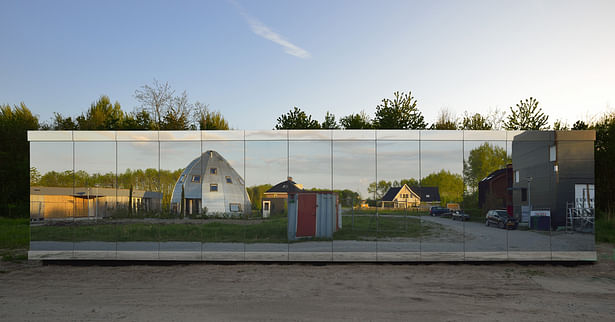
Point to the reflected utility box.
(313, 214)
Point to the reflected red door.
(306, 217)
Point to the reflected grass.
(373, 227)
(14, 233)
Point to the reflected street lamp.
(529, 191)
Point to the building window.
(213, 170)
(181, 179)
(213, 187)
(553, 153)
(235, 207)
(523, 194)
(517, 176)
(196, 178)
(229, 180)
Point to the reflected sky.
(51, 156)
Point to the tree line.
(160, 108)
(401, 112)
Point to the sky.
(254, 60)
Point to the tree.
(329, 122)
(138, 120)
(527, 116)
(296, 119)
(14, 157)
(446, 121)
(378, 189)
(482, 161)
(449, 184)
(475, 122)
(580, 125)
(560, 125)
(356, 121)
(399, 113)
(605, 163)
(156, 99)
(62, 123)
(102, 115)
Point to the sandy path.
(507, 292)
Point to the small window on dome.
(229, 180)
(213, 170)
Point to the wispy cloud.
(262, 30)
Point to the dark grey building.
(549, 167)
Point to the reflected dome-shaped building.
(209, 182)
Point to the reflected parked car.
(439, 211)
(500, 218)
(460, 215)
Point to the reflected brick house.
(495, 190)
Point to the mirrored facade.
(313, 195)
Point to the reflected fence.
(312, 195)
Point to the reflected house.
(406, 197)
(495, 190)
(554, 171)
(275, 200)
(88, 202)
(210, 184)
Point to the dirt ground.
(33, 291)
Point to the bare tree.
(447, 120)
(156, 98)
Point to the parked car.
(500, 218)
(439, 211)
(460, 215)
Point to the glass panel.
(137, 135)
(354, 135)
(51, 199)
(50, 136)
(94, 135)
(573, 210)
(181, 199)
(441, 188)
(179, 136)
(441, 135)
(487, 202)
(532, 196)
(484, 136)
(95, 199)
(354, 172)
(266, 182)
(312, 206)
(399, 201)
(266, 135)
(398, 135)
(307, 135)
(222, 135)
(225, 205)
(139, 200)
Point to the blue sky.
(254, 60)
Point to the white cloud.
(262, 30)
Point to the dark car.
(460, 215)
(500, 218)
(439, 211)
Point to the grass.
(14, 233)
(605, 229)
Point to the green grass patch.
(605, 229)
(271, 231)
(14, 233)
(372, 227)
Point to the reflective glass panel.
(441, 189)
(95, 199)
(312, 207)
(354, 176)
(51, 198)
(267, 185)
(225, 202)
(399, 199)
(486, 209)
(532, 196)
(183, 221)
